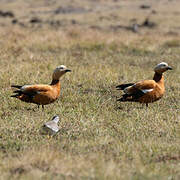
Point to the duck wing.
(137, 90)
(28, 92)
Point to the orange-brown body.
(41, 94)
(146, 91)
(46, 94)
(157, 92)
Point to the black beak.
(169, 68)
(67, 70)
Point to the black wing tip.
(123, 86)
(17, 91)
(120, 87)
(15, 95)
(121, 99)
(16, 86)
(124, 97)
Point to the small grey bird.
(51, 127)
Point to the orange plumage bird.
(41, 94)
(146, 91)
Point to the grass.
(99, 138)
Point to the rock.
(14, 21)
(144, 6)
(69, 9)
(35, 20)
(148, 23)
(6, 14)
(154, 12)
(73, 21)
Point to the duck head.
(59, 71)
(162, 67)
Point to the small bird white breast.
(51, 127)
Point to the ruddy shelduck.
(41, 94)
(146, 91)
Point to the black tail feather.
(123, 86)
(16, 86)
(17, 91)
(124, 98)
(15, 95)
(131, 97)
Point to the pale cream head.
(59, 71)
(162, 67)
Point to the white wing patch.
(146, 90)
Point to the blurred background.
(137, 16)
